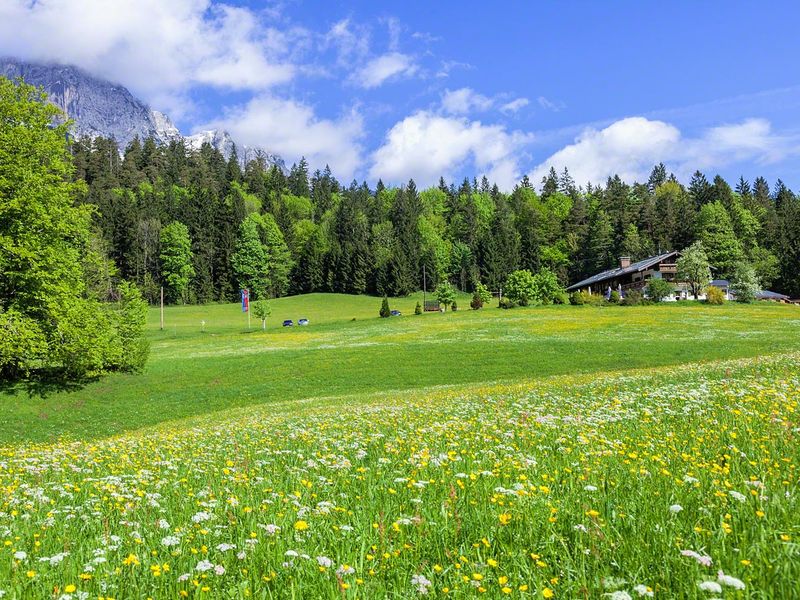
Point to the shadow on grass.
(44, 382)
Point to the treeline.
(203, 226)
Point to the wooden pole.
(162, 308)
(424, 288)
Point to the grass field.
(551, 452)
(347, 350)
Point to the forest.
(203, 226)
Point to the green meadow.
(207, 360)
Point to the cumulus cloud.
(464, 101)
(392, 65)
(292, 129)
(161, 47)
(426, 146)
(631, 146)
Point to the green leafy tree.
(521, 287)
(385, 311)
(262, 310)
(693, 268)
(483, 292)
(249, 260)
(715, 231)
(744, 283)
(547, 288)
(130, 319)
(176, 260)
(445, 294)
(49, 320)
(659, 289)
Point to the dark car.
(288, 323)
(396, 313)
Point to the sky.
(399, 90)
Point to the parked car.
(288, 323)
(302, 322)
(396, 313)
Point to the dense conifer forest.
(203, 226)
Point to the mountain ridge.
(100, 107)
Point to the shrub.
(614, 298)
(130, 321)
(659, 289)
(455, 306)
(521, 287)
(714, 295)
(507, 303)
(546, 287)
(576, 298)
(483, 292)
(561, 298)
(632, 298)
(385, 311)
(477, 301)
(418, 309)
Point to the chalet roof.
(619, 271)
(770, 295)
(720, 283)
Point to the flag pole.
(162, 308)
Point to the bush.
(483, 292)
(385, 311)
(576, 298)
(614, 298)
(418, 309)
(714, 295)
(507, 303)
(546, 287)
(521, 288)
(455, 306)
(477, 301)
(561, 298)
(445, 294)
(659, 289)
(130, 319)
(632, 298)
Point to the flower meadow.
(680, 482)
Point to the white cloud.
(388, 66)
(631, 146)
(160, 48)
(351, 42)
(464, 101)
(292, 130)
(426, 146)
(546, 104)
(515, 105)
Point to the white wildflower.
(675, 508)
(163, 524)
(200, 517)
(204, 565)
(219, 570)
(170, 540)
(710, 586)
(700, 558)
(20, 555)
(324, 561)
(729, 581)
(590, 488)
(345, 570)
(422, 584)
(737, 496)
(643, 590)
(619, 595)
(225, 547)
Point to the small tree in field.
(445, 294)
(385, 311)
(262, 310)
(483, 292)
(176, 260)
(693, 268)
(659, 289)
(547, 286)
(744, 284)
(418, 309)
(521, 287)
(476, 302)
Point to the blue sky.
(422, 89)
